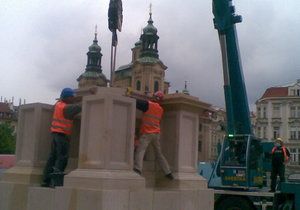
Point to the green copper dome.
(150, 29)
(95, 47)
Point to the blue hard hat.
(67, 92)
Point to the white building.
(278, 115)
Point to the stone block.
(141, 199)
(13, 196)
(33, 143)
(41, 198)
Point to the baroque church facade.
(146, 72)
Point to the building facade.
(278, 115)
(145, 72)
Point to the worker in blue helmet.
(65, 110)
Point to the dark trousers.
(277, 170)
(58, 157)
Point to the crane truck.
(239, 175)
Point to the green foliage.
(7, 139)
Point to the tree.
(7, 138)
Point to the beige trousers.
(145, 140)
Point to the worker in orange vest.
(150, 133)
(280, 156)
(61, 129)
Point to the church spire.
(93, 71)
(149, 39)
(95, 39)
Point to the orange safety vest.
(151, 118)
(59, 123)
(286, 157)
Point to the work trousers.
(145, 140)
(58, 157)
(277, 170)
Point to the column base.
(104, 179)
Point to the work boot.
(169, 176)
(57, 178)
(137, 171)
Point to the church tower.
(146, 72)
(93, 72)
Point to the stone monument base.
(63, 198)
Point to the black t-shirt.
(278, 156)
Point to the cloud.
(44, 44)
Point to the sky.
(43, 44)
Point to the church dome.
(150, 29)
(95, 47)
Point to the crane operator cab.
(240, 163)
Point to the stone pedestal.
(32, 149)
(106, 143)
(179, 139)
(33, 144)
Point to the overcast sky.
(43, 44)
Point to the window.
(293, 92)
(295, 156)
(297, 111)
(295, 133)
(138, 85)
(292, 111)
(199, 146)
(258, 130)
(264, 130)
(156, 86)
(264, 114)
(258, 111)
(200, 127)
(298, 92)
(276, 132)
(276, 111)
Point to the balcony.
(294, 120)
(262, 120)
(276, 120)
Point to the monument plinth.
(100, 175)
(106, 143)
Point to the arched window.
(156, 86)
(138, 85)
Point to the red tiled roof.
(275, 92)
(4, 107)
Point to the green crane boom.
(237, 109)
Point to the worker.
(280, 156)
(61, 127)
(150, 133)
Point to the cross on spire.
(150, 7)
(96, 32)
